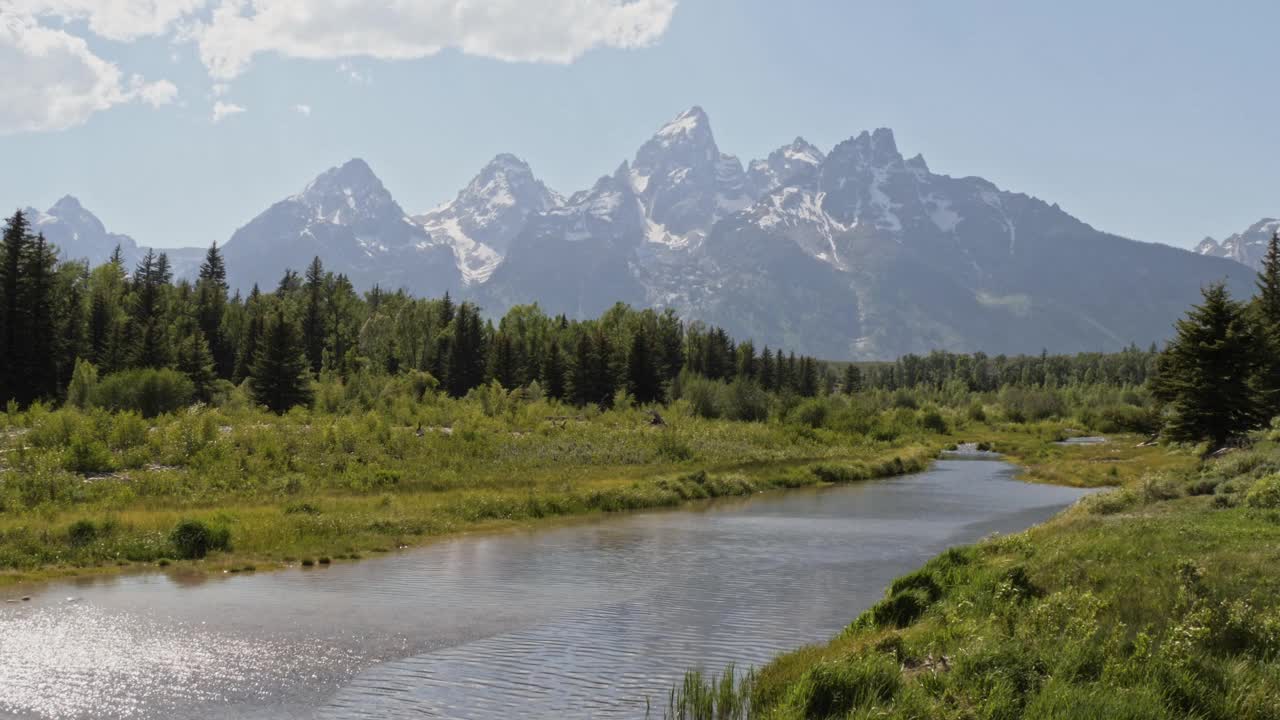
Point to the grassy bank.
(97, 492)
(1159, 599)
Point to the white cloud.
(224, 109)
(555, 31)
(53, 81)
(346, 70)
(303, 110)
(122, 20)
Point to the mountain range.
(855, 253)
(1247, 247)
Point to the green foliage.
(85, 454)
(84, 379)
(193, 539)
(1265, 493)
(834, 689)
(148, 391)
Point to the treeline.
(65, 321)
(980, 372)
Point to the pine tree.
(13, 248)
(506, 368)
(313, 335)
(195, 360)
(148, 332)
(582, 370)
(211, 307)
(40, 375)
(852, 379)
(279, 378)
(808, 380)
(553, 372)
(1206, 374)
(1266, 313)
(643, 380)
(251, 338)
(768, 370)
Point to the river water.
(585, 620)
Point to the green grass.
(262, 489)
(1160, 599)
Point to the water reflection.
(580, 621)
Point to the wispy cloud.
(303, 110)
(223, 110)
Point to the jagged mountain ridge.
(1247, 247)
(854, 253)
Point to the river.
(582, 620)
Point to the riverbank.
(1155, 600)
(92, 493)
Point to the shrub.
(746, 402)
(193, 539)
(1265, 493)
(82, 532)
(933, 421)
(128, 430)
(672, 448)
(898, 610)
(148, 391)
(810, 413)
(706, 397)
(86, 455)
(83, 380)
(1026, 405)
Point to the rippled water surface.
(583, 621)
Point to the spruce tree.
(195, 360)
(279, 378)
(40, 376)
(313, 335)
(13, 248)
(1206, 374)
(251, 337)
(768, 370)
(553, 372)
(211, 307)
(852, 379)
(643, 379)
(582, 370)
(148, 331)
(1266, 313)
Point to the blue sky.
(1155, 120)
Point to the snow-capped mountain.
(1246, 247)
(488, 213)
(78, 233)
(858, 252)
(351, 222)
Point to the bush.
(706, 397)
(82, 532)
(933, 421)
(1123, 419)
(86, 455)
(1026, 405)
(1265, 493)
(148, 391)
(193, 539)
(83, 380)
(810, 413)
(746, 402)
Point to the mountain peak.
(690, 128)
(876, 149)
(67, 203)
(352, 185)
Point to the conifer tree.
(279, 378)
(40, 375)
(13, 248)
(768, 370)
(313, 334)
(643, 379)
(194, 359)
(148, 332)
(852, 379)
(1266, 312)
(249, 341)
(505, 364)
(1206, 374)
(553, 372)
(211, 307)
